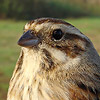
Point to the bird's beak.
(28, 39)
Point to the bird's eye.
(57, 34)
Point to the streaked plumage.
(57, 62)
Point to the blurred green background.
(84, 14)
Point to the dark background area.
(30, 9)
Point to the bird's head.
(58, 40)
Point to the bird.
(57, 62)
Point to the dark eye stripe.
(74, 36)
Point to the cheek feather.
(75, 45)
(58, 54)
(73, 51)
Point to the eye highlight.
(57, 34)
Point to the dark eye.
(57, 34)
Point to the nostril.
(31, 31)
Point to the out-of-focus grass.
(10, 32)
